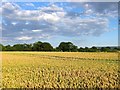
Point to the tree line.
(63, 47)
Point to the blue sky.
(83, 23)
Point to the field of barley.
(60, 70)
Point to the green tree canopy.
(67, 46)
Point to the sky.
(85, 24)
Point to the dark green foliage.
(36, 46)
(22, 47)
(105, 49)
(63, 47)
(1, 47)
(46, 47)
(67, 46)
(8, 48)
(39, 46)
(81, 49)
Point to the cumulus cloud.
(100, 9)
(52, 8)
(11, 10)
(52, 20)
(79, 26)
(108, 9)
(23, 38)
(30, 4)
(0, 11)
(36, 30)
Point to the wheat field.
(60, 70)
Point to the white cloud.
(30, 4)
(24, 38)
(14, 23)
(27, 23)
(53, 7)
(52, 20)
(0, 11)
(42, 36)
(51, 17)
(87, 6)
(89, 11)
(30, 15)
(36, 30)
(8, 6)
(81, 26)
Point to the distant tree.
(115, 49)
(46, 47)
(63, 47)
(67, 46)
(74, 48)
(105, 49)
(27, 47)
(93, 49)
(108, 49)
(36, 46)
(86, 49)
(102, 49)
(8, 48)
(81, 49)
(57, 49)
(18, 47)
(118, 48)
(39, 46)
(1, 47)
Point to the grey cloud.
(102, 9)
(20, 23)
(106, 6)
(79, 26)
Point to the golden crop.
(59, 70)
